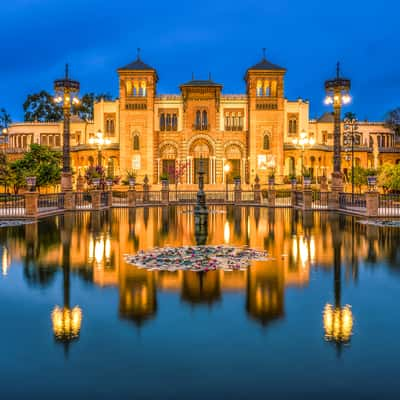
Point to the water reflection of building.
(296, 241)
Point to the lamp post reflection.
(66, 321)
(338, 319)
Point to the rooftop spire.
(66, 71)
(263, 51)
(338, 69)
(138, 53)
(209, 76)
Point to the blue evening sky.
(220, 36)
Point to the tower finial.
(66, 71)
(263, 50)
(192, 76)
(338, 69)
(138, 53)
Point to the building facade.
(253, 133)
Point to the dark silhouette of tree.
(5, 119)
(41, 107)
(392, 120)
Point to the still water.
(182, 335)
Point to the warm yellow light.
(295, 141)
(338, 323)
(91, 249)
(227, 168)
(66, 323)
(346, 99)
(303, 135)
(108, 248)
(91, 140)
(75, 100)
(328, 100)
(4, 131)
(312, 141)
(99, 250)
(5, 261)
(227, 233)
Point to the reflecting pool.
(320, 320)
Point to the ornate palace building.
(252, 132)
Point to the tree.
(39, 161)
(85, 108)
(5, 119)
(392, 120)
(389, 176)
(6, 175)
(360, 176)
(41, 107)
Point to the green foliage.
(41, 107)
(5, 118)
(360, 176)
(389, 176)
(39, 161)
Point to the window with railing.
(201, 120)
(109, 126)
(168, 122)
(233, 121)
(267, 88)
(136, 87)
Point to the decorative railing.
(12, 205)
(104, 199)
(247, 196)
(389, 205)
(220, 196)
(320, 200)
(183, 197)
(353, 202)
(283, 198)
(298, 197)
(119, 198)
(83, 200)
(49, 202)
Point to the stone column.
(69, 200)
(307, 199)
(257, 190)
(31, 204)
(164, 192)
(146, 189)
(372, 202)
(293, 197)
(96, 199)
(132, 197)
(238, 191)
(333, 200)
(271, 197)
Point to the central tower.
(266, 118)
(137, 90)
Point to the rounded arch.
(234, 149)
(168, 150)
(206, 139)
(266, 140)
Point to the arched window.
(142, 90)
(136, 144)
(174, 122)
(128, 88)
(266, 142)
(162, 122)
(259, 89)
(371, 141)
(267, 89)
(198, 120)
(168, 122)
(204, 120)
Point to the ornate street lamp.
(66, 90)
(349, 138)
(337, 94)
(303, 141)
(227, 168)
(99, 140)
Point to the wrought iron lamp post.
(303, 141)
(100, 141)
(337, 94)
(349, 139)
(66, 90)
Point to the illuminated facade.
(253, 132)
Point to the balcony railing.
(201, 127)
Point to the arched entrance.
(233, 157)
(168, 155)
(201, 150)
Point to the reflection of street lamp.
(65, 90)
(227, 168)
(100, 141)
(337, 320)
(337, 93)
(303, 141)
(66, 321)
